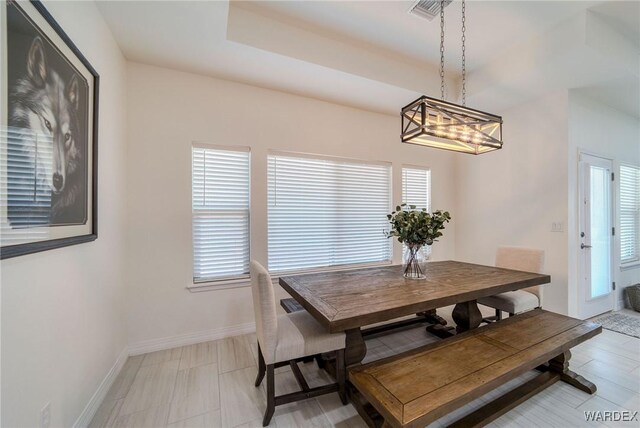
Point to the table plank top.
(350, 299)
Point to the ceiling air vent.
(428, 9)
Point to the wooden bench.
(420, 386)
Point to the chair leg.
(341, 375)
(261, 367)
(271, 396)
(498, 314)
(320, 361)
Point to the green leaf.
(416, 227)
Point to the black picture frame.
(15, 250)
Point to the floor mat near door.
(621, 323)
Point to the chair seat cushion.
(512, 301)
(300, 335)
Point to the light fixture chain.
(442, 49)
(464, 64)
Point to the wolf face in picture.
(46, 156)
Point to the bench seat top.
(420, 386)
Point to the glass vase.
(414, 258)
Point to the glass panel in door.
(600, 233)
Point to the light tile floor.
(211, 385)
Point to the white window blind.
(416, 187)
(629, 214)
(326, 213)
(220, 206)
(416, 190)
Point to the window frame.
(634, 263)
(231, 281)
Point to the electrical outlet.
(45, 416)
(557, 226)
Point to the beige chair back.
(264, 306)
(524, 259)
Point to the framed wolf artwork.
(48, 139)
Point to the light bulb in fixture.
(439, 123)
(464, 135)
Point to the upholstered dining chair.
(286, 340)
(514, 302)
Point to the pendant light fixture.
(444, 125)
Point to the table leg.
(438, 325)
(467, 316)
(560, 364)
(354, 353)
(432, 317)
(356, 348)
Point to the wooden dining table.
(351, 299)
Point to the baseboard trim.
(190, 338)
(96, 400)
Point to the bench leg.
(467, 316)
(560, 364)
(501, 405)
(366, 411)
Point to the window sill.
(630, 266)
(219, 285)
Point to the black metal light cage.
(443, 125)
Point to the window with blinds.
(326, 212)
(416, 187)
(220, 211)
(416, 190)
(629, 214)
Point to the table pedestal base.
(466, 315)
(356, 348)
(432, 317)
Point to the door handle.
(584, 246)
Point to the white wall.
(511, 196)
(167, 111)
(601, 130)
(63, 322)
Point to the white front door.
(595, 237)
